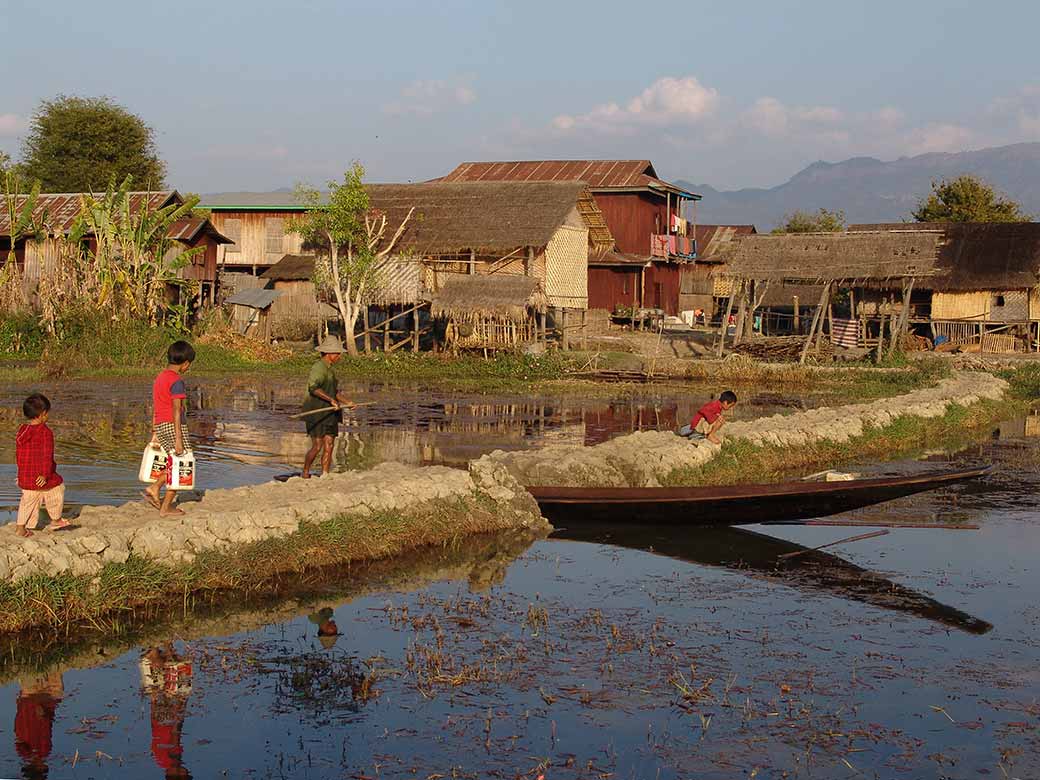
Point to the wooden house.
(56, 213)
(647, 217)
(256, 223)
(880, 265)
(986, 286)
(703, 283)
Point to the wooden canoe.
(734, 504)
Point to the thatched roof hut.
(978, 255)
(485, 217)
(869, 259)
(501, 298)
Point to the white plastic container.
(181, 474)
(153, 463)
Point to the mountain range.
(870, 190)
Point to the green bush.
(21, 336)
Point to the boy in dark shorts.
(710, 418)
(323, 392)
(168, 396)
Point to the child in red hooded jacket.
(37, 473)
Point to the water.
(242, 434)
(595, 653)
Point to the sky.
(255, 95)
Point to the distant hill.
(870, 190)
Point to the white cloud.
(940, 137)
(429, 96)
(668, 101)
(772, 117)
(12, 124)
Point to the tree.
(79, 144)
(352, 237)
(823, 221)
(967, 199)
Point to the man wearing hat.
(322, 393)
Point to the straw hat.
(330, 344)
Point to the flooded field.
(242, 434)
(596, 653)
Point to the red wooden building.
(648, 217)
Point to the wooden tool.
(344, 407)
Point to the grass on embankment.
(66, 602)
(741, 462)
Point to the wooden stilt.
(738, 330)
(368, 332)
(797, 326)
(386, 332)
(819, 330)
(817, 318)
(415, 330)
(721, 350)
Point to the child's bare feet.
(171, 511)
(59, 524)
(23, 532)
(151, 498)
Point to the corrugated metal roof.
(188, 229)
(598, 174)
(62, 208)
(255, 298)
(713, 239)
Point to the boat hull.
(734, 504)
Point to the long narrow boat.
(735, 504)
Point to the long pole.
(871, 535)
(817, 318)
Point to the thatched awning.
(291, 268)
(498, 297)
(980, 255)
(845, 258)
(485, 217)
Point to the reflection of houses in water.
(620, 417)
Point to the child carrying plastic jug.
(177, 469)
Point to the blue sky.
(258, 95)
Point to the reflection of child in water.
(166, 678)
(34, 722)
(328, 631)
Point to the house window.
(274, 229)
(998, 300)
(233, 229)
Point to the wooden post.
(415, 330)
(904, 315)
(817, 319)
(529, 265)
(819, 334)
(797, 326)
(880, 339)
(584, 329)
(564, 336)
(386, 331)
(472, 262)
(738, 330)
(368, 334)
(725, 322)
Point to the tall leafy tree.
(822, 221)
(967, 199)
(77, 144)
(353, 241)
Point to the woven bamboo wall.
(1006, 306)
(398, 281)
(567, 268)
(724, 286)
(41, 258)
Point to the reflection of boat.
(734, 504)
(758, 554)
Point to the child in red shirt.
(38, 477)
(710, 418)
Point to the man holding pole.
(322, 407)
